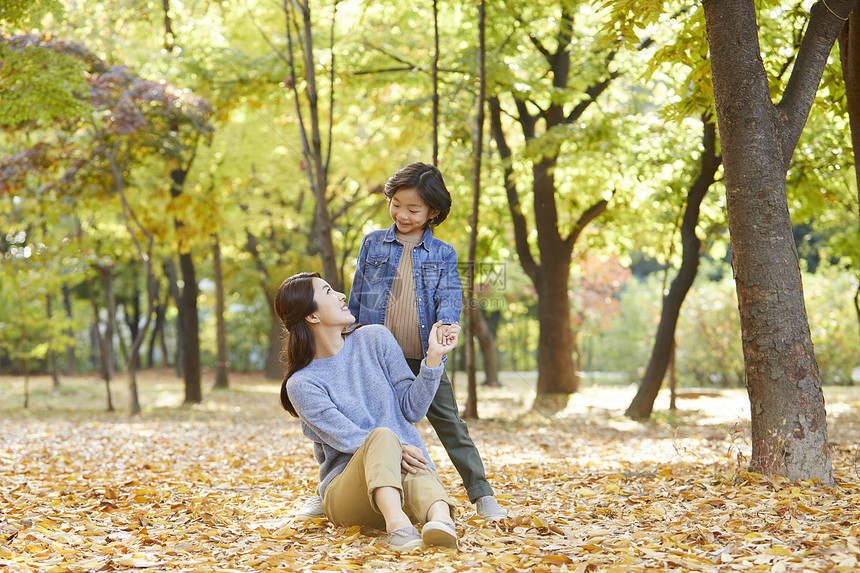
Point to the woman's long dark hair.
(293, 302)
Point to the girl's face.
(410, 212)
(331, 305)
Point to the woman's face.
(331, 305)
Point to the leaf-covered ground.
(213, 487)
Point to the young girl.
(407, 280)
(359, 402)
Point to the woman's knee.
(383, 435)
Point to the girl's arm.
(449, 295)
(358, 280)
(415, 393)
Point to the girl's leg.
(453, 432)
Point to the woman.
(358, 401)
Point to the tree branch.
(527, 261)
(587, 217)
(825, 23)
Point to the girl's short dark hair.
(427, 180)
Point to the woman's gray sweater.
(367, 385)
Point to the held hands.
(413, 460)
(443, 339)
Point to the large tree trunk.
(649, 387)
(849, 52)
(789, 431)
(191, 331)
(222, 364)
(557, 377)
(190, 341)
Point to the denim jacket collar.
(391, 236)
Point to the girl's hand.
(413, 460)
(440, 345)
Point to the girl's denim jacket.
(438, 289)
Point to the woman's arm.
(323, 417)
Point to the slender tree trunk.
(758, 138)
(173, 287)
(70, 366)
(649, 387)
(489, 352)
(673, 382)
(849, 53)
(434, 76)
(52, 353)
(157, 330)
(26, 384)
(110, 327)
(222, 365)
(312, 148)
(103, 348)
(132, 316)
(471, 411)
(274, 366)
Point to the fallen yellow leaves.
(213, 488)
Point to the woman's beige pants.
(349, 496)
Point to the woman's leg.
(425, 498)
(368, 490)
(388, 501)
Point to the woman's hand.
(442, 340)
(413, 460)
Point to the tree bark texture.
(70, 362)
(275, 369)
(489, 351)
(664, 341)
(173, 288)
(471, 313)
(111, 326)
(52, 354)
(222, 364)
(187, 304)
(789, 432)
(849, 53)
(191, 331)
